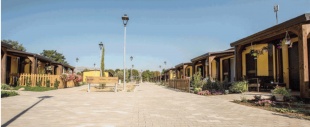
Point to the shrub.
(257, 97)
(8, 93)
(206, 92)
(218, 93)
(48, 83)
(28, 82)
(196, 90)
(5, 87)
(56, 84)
(265, 103)
(39, 83)
(280, 90)
(243, 98)
(197, 82)
(239, 87)
(225, 84)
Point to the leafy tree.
(135, 73)
(110, 70)
(116, 70)
(52, 54)
(145, 76)
(163, 71)
(85, 69)
(79, 73)
(15, 45)
(120, 75)
(102, 62)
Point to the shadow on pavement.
(23, 112)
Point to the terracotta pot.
(279, 97)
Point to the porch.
(266, 53)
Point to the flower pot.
(279, 97)
(226, 92)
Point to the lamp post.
(77, 60)
(131, 69)
(100, 46)
(159, 74)
(125, 21)
(95, 69)
(276, 9)
(165, 70)
(131, 72)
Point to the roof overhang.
(304, 18)
(224, 53)
(6, 45)
(181, 64)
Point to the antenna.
(276, 9)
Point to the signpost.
(101, 80)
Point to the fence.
(33, 79)
(181, 84)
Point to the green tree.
(52, 54)
(116, 70)
(79, 73)
(145, 76)
(85, 69)
(102, 62)
(163, 71)
(110, 70)
(135, 73)
(15, 45)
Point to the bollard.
(115, 88)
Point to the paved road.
(150, 105)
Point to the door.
(294, 67)
(232, 69)
(226, 66)
(8, 69)
(251, 65)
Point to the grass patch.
(8, 94)
(36, 88)
(6, 87)
(83, 83)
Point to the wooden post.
(204, 72)
(193, 68)
(238, 60)
(303, 59)
(211, 58)
(184, 71)
(3, 64)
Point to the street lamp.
(165, 70)
(131, 72)
(125, 21)
(276, 9)
(159, 74)
(131, 68)
(95, 69)
(77, 60)
(100, 46)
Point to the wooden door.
(251, 65)
(226, 72)
(294, 67)
(8, 69)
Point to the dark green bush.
(8, 93)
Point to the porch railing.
(181, 84)
(35, 78)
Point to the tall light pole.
(131, 72)
(77, 60)
(95, 69)
(125, 21)
(165, 70)
(131, 69)
(100, 46)
(276, 9)
(159, 74)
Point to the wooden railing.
(35, 78)
(181, 84)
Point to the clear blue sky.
(158, 30)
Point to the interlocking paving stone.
(149, 106)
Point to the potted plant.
(279, 92)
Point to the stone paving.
(150, 105)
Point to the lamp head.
(125, 19)
(100, 45)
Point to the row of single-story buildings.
(264, 55)
(15, 62)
